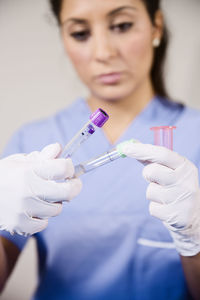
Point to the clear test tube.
(102, 159)
(163, 136)
(97, 120)
(96, 162)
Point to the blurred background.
(36, 80)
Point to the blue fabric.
(92, 250)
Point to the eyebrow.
(113, 12)
(75, 20)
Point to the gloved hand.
(173, 193)
(29, 193)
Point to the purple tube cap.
(99, 117)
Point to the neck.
(122, 112)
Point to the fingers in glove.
(37, 225)
(56, 191)
(156, 193)
(51, 151)
(153, 154)
(15, 157)
(32, 225)
(159, 174)
(41, 209)
(55, 169)
(160, 211)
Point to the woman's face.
(110, 44)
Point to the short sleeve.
(18, 240)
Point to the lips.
(110, 78)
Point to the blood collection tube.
(101, 160)
(97, 120)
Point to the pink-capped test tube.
(163, 136)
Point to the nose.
(104, 48)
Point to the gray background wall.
(36, 79)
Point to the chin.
(113, 93)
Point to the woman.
(106, 245)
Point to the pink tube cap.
(163, 136)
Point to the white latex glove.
(173, 193)
(29, 194)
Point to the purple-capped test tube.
(99, 117)
(96, 120)
(163, 136)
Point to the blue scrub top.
(105, 245)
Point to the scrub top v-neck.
(105, 245)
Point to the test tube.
(97, 120)
(163, 136)
(101, 160)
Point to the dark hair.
(157, 72)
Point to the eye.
(122, 27)
(81, 35)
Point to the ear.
(158, 25)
